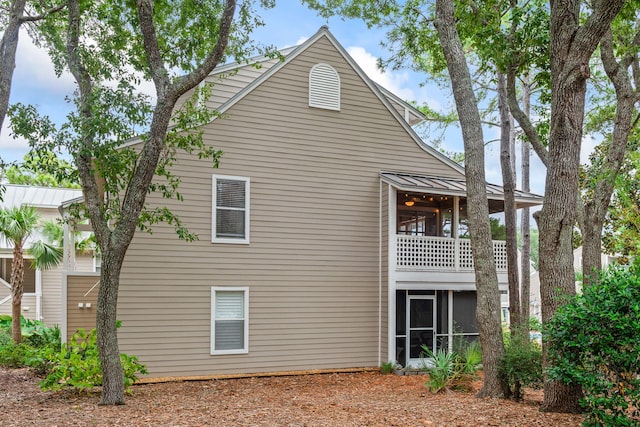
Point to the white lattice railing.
(424, 253)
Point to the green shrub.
(34, 332)
(387, 367)
(441, 370)
(14, 355)
(522, 364)
(5, 338)
(38, 335)
(593, 342)
(535, 324)
(37, 350)
(41, 360)
(452, 370)
(77, 366)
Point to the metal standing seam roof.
(452, 187)
(40, 197)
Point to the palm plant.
(16, 225)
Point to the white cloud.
(300, 41)
(35, 69)
(11, 149)
(396, 82)
(587, 146)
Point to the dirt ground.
(356, 399)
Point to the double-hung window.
(230, 223)
(229, 320)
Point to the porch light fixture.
(409, 202)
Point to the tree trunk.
(488, 293)
(571, 47)
(8, 48)
(17, 289)
(525, 279)
(114, 242)
(556, 221)
(595, 209)
(106, 331)
(510, 216)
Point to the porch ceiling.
(453, 187)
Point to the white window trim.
(214, 211)
(244, 350)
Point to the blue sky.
(288, 24)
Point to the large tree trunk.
(525, 226)
(571, 47)
(488, 293)
(17, 289)
(510, 217)
(106, 332)
(8, 48)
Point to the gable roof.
(377, 91)
(271, 66)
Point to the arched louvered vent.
(324, 87)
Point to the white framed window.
(230, 222)
(324, 87)
(97, 262)
(229, 320)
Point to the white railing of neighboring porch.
(8, 285)
(430, 253)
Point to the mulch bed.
(355, 399)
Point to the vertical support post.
(39, 294)
(450, 320)
(65, 246)
(455, 222)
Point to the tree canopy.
(124, 140)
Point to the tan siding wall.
(77, 287)
(6, 307)
(52, 291)
(312, 265)
(28, 304)
(226, 85)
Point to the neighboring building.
(328, 235)
(42, 289)
(535, 299)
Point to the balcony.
(445, 254)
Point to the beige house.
(42, 289)
(330, 235)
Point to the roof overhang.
(453, 187)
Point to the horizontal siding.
(226, 85)
(312, 266)
(6, 307)
(77, 318)
(52, 296)
(52, 291)
(28, 303)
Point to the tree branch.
(190, 80)
(523, 119)
(44, 14)
(83, 158)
